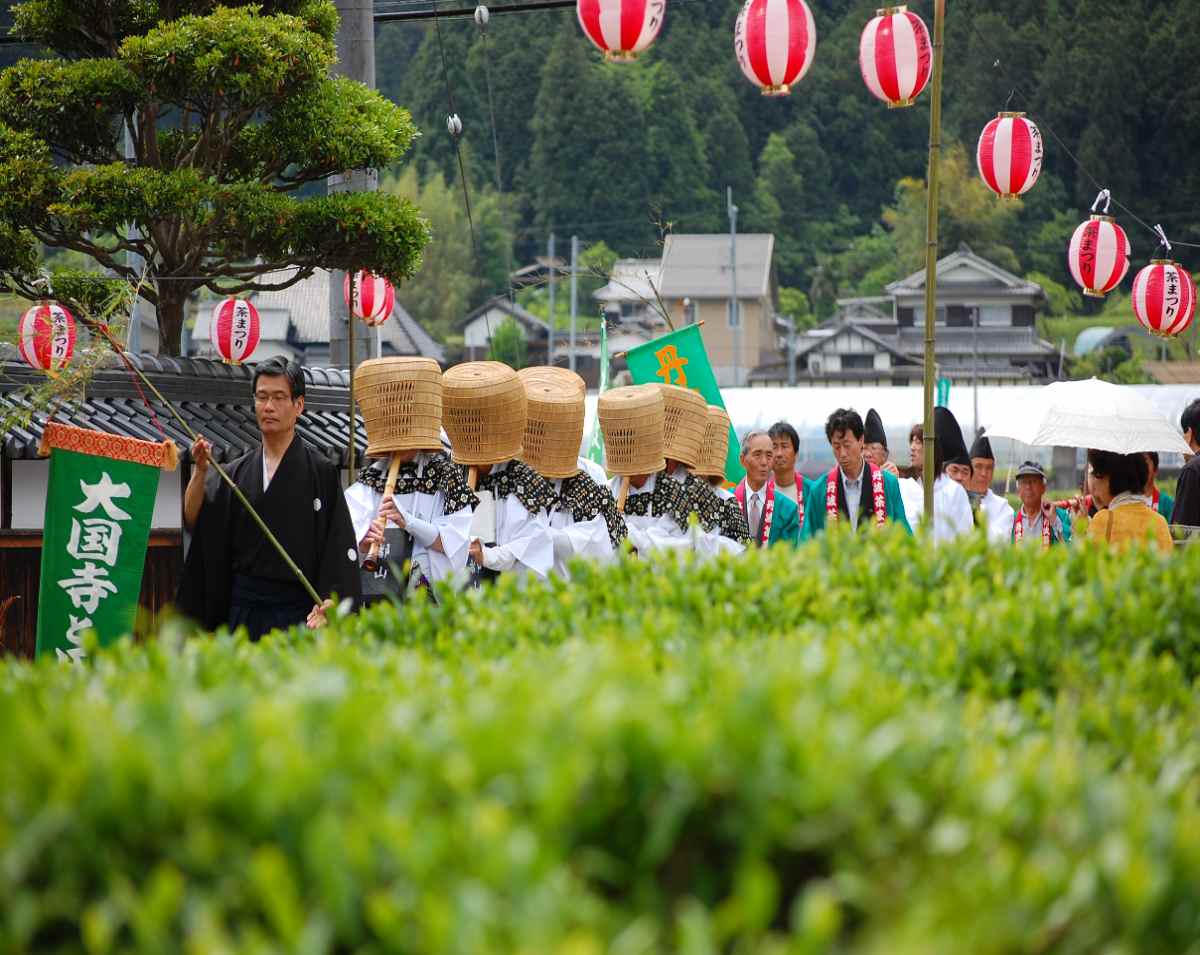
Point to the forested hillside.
(624, 153)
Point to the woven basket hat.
(683, 425)
(554, 426)
(716, 443)
(632, 421)
(483, 412)
(550, 373)
(401, 404)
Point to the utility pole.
(735, 319)
(355, 43)
(553, 270)
(975, 368)
(931, 247)
(791, 351)
(133, 341)
(356, 60)
(574, 292)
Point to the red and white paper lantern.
(621, 28)
(235, 329)
(1009, 155)
(775, 41)
(373, 298)
(895, 56)
(1164, 298)
(1098, 256)
(46, 336)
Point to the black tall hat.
(949, 437)
(873, 429)
(982, 448)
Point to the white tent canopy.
(806, 409)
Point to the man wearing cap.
(789, 482)
(995, 510)
(771, 517)
(1038, 522)
(873, 492)
(875, 443)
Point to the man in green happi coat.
(854, 492)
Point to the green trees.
(233, 121)
(610, 151)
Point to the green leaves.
(860, 747)
(233, 57)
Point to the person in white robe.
(994, 510)
(583, 518)
(430, 502)
(951, 506)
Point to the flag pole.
(931, 249)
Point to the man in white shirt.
(995, 510)
(770, 517)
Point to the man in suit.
(875, 493)
(772, 518)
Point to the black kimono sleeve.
(1187, 496)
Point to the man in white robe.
(431, 503)
(994, 510)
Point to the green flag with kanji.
(99, 503)
(679, 358)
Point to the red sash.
(1019, 528)
(768, 509)
(878, 496)
(1155, 497)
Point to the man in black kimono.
(233, 575)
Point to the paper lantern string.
(481, 16)
(1102, 196)
(1162, 238)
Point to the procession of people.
(475, 473)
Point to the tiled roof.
(212, 397)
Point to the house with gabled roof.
(697, 286)
(984, 331)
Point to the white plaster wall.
(29, 496)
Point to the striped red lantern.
(1098, 256)
(775, 41)
(1009, 155)
(374, 298)
(235, 329)
(895, 56)
(1164, 298)
(46, 336)
(621, 28)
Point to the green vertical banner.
(99, 503)
(680, 359)
(943, 392)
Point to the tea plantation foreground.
(850, 749)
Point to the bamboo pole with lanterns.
(931, 250)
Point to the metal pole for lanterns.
(734, 319)
(574, 293)
(350, 372)
(931, 248)
(550, 334)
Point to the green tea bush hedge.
(868, 749)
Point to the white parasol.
(1089, 414)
